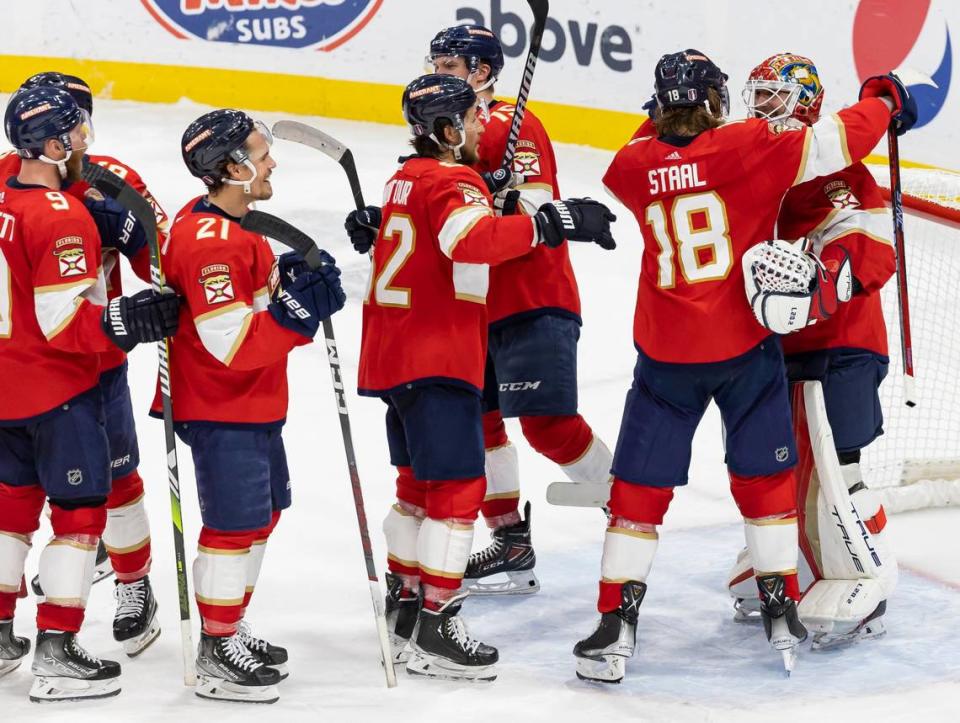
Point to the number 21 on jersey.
(700, 239)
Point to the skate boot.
(870, 627)
(135, 625)
(401, 609)
(273, 656)
(13, 649)
(226, 670)
(602, 656)
(442, 648)
(780, 620)
(101, 571)
(63, 670)
(509, 558)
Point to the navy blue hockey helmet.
(435, 97)
(682, 80)
(213, 140)
(34, 115)
(75, 86)
(474, 43)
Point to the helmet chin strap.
(61, 164)
(458, 126)
(246, 184)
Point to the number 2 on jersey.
(399, 227)
(6, 297)
(701, 236)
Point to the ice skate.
(64, 671)
(870, 628)
(602, 657)
(273, 656)
(442, 648)
(226, 670)
(780, 621)
(505, 566)
(401, 611)
(13, 649)
(135, 624)
(101, 571)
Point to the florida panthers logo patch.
(216, 283)
(71, 256)
(473, 195)
(841, 195)
(527, 163)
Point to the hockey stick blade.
(578, 494)
(298, 132)
(286, 233)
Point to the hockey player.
(125, 546)
(839, 214)
(705, 192)
(53, 328)
(243, 314)
(423, 351)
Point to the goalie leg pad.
(840, 606)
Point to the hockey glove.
(314, 296)
(575, 219)
(291, 265)
(118, 227)
(890, 86)
(362, 228)
(501, 179)
(651, 107)
(789, 289)
(505, 203)
(145, 316)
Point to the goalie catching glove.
(789, 289)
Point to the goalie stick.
(540, 10)
(289, 235)
(126, 195)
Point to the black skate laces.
(130, 598)
(490, 552)
(457, 630)
(236, 652)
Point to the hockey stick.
(285, 233)
(112, 185)
(896, 202)
(315, 138)
(540, 10)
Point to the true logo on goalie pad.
(71, 256)
(216, 283)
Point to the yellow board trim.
(307, 95)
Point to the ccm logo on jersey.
(69, 252)
(215, 280)
(519, 386)
(675, 178)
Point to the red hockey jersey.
(52, 295)
(844, 210)
(700, 206)
(543, 279)
(229, 357)
(425, 315)
(10, 166)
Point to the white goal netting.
(916, 463)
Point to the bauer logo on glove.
(789, 289)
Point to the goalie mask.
(784, 86)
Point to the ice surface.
(693, 663)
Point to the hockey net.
(916, 463)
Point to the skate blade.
(218, 689)
(400, 649)
(789, 659)
(50, 689)
(602, 669)
(134, 646)
(102, 572)
(826, 642)
(518, 582)
(746, 615)
(8, 666)
(432, 666)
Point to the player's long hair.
(426, 146)
(691, 121)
